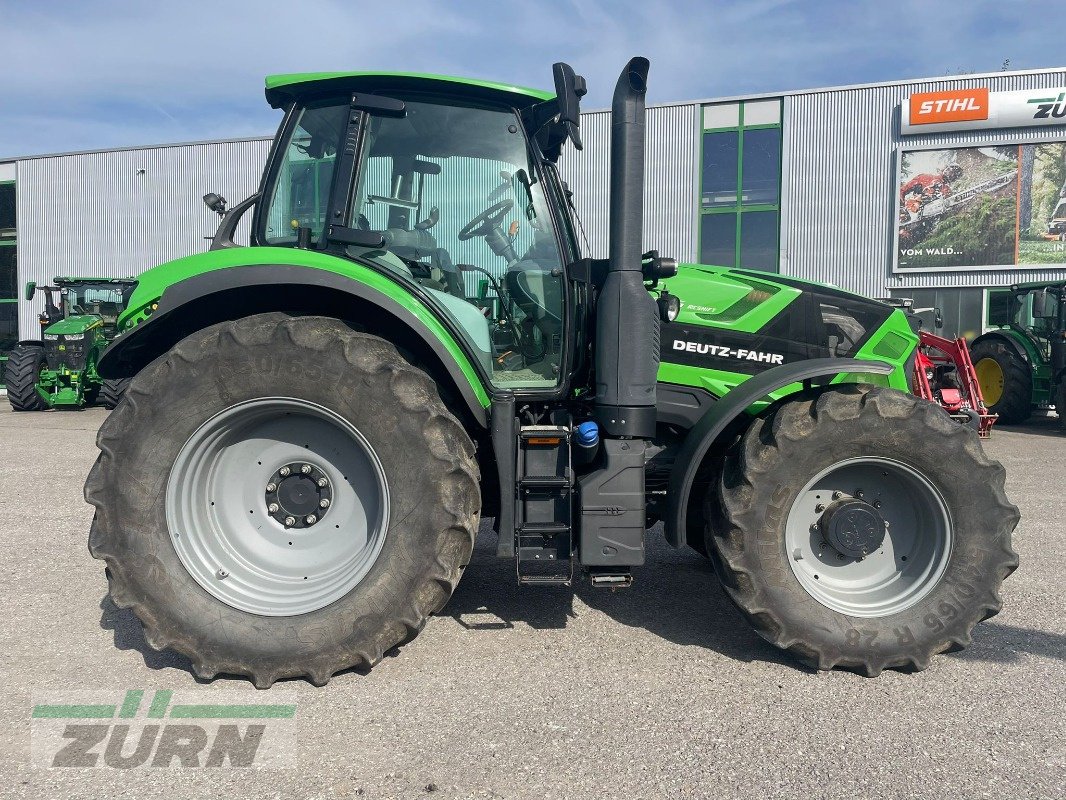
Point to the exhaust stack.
(627, 320)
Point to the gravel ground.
(659, 690)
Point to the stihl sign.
(959, 106)
(964, 109)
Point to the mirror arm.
(224, 235)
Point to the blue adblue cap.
(587, 434)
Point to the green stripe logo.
(160, 705)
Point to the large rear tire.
(24, 365)
(218, 555)
(1006, 381)
(111, 391)
(865, 530)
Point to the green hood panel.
(716, 297)
(80, 323)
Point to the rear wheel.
(1006, 380)
(111, 391)
(854, 534)
(321, 504)
(24, 366)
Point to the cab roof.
(282, 89)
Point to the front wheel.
(318, 501)
(111, 391)
(864, 529)
(24, 366)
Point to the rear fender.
(234, 292)
(716, 427)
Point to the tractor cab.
(449, 187)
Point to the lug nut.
(310, 519)
(272, 487)
(323, 503)
(819, 508)
(859, 494)
(877, 503)
(273, 508)
(837, 495)
(306, 468)
(290, 521)
(323, 483)
(284, 471)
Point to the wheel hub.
(853, 527)
(298, 495)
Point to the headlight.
(74, 337)
(51, 337)
(669, 306)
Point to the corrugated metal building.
(839, 185)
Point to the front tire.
(807, 556)
(1006, 381)
(24, 365)
(111, 391)
(220, 561)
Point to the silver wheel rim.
(224, 532)
(910, 559)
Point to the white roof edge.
(849, 87)
(200, 143)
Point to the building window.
(740, 190)
(9, 331)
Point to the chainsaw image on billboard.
(981, 207)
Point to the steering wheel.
(486, 220)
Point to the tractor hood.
(735, 323)
(79, 323)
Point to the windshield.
(103, 300)
(455, 191)
(302, 183)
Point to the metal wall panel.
(117, 213)
(671, 175)
(839, 183)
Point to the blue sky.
(109, 73)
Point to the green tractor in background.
(1022, 366)
(414, 341)
(59, 369)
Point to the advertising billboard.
(981, 207)
(969, 109)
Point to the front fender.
(232, 292)
(721, 415)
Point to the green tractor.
(1021, 366)
(414, 341)
(59, 370)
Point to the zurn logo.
(137, 729)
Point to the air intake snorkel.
(627, 320)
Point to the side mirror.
(569, 89)
(31, 290)
(1044, 305)
(216, 203)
